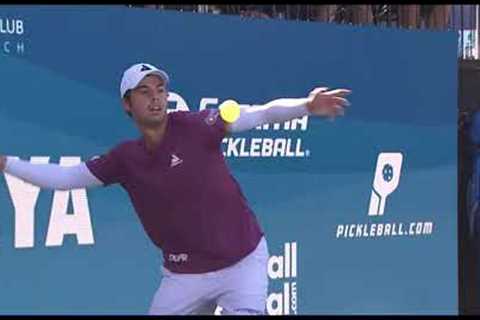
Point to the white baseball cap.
(133, 75)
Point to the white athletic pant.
(238, 289)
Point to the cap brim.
(162, 74)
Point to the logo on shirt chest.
(175, 161)
(212, 117)
(177, 258)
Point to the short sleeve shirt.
(184, 194)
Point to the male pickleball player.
(191, 207)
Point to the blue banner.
(360, 214)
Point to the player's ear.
(127, 104)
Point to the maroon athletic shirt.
(188, 202)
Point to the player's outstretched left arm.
(49, 175)
(320, 102)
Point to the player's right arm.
(50, 176)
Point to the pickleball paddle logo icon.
(385, 181)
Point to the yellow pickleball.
(229, 111)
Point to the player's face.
(147, 103)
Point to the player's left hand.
(328, 103)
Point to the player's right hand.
(329, 103)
